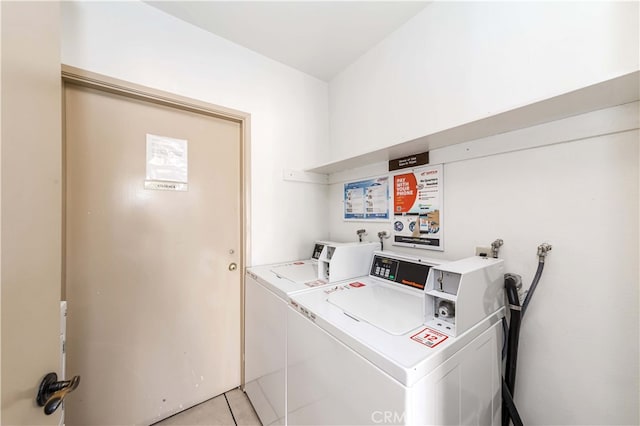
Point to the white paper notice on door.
(166, 159)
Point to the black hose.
(509, 410)
(533, 286)
(514, 333)
(510, 284)
(510, 407)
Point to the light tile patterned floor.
(229, 409)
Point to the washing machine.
(414, 342)
(267, 292)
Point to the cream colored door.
(154, 299)
(30, 202)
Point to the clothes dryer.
(381, 349)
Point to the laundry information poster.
(167, 166)
(166, 159)
(367, 199)
(417, 208)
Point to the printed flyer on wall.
(417, 208)
(367, 199)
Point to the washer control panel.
(405, 272)
(317, 251)
(384, 267)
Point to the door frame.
(77, 76)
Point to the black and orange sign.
(417, 208)
(405, 191)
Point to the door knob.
(233, 266)
(51, 392)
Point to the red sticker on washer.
(298, 263)
(357, 284)
(429, 337)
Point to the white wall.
(457, 62)
(578, 361)
(289, 112)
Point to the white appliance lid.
(298, 272)
(393, 311)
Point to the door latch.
(51, 391)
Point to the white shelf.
(442, 295)
(617, 91)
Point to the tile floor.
(232, 408)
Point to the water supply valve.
(495, 247)
(543, 250)
(381, 236)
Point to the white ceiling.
(320, 38)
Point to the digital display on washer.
(399, 271)
(317, 250)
